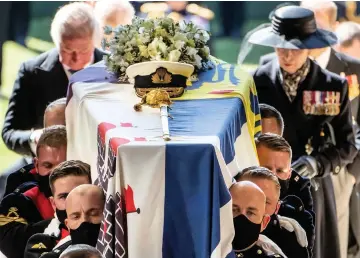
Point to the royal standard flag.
(165, 199)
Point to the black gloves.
(307, 166)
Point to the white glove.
(292, 225)
(269, 246)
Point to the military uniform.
(322, 97)
(300, 187)
(303, 120)
(256, 252)
(286, 240)
(23, 175)
(23, 213)
(298, 204)
(349, 68)
(47, 243)
(293, 207)
(316, 110)
(57, 250)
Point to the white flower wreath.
(160, 39)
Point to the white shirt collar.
(67, 68)
(323, 59)
(63, 241)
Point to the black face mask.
(44, 185)
(61, 215)
(87, 233)
(284, 187)
(246, 232)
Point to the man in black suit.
(312, 101)
(45, 78)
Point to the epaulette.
(154, 10)
(298, 180)
(293, 202)
(14, 180)
(17, 207)
(198, 10)
(26, 168)
(25, 186)
(40, 244)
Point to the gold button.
(337, 169)
(259, 251)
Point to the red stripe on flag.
(140, 139)
(116, 142)
(126, 125)
(103, 128)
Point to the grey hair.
(347, 32)
(74, 20)
(329, 7)
(106, 10)
(81, 251)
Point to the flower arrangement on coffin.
(160, 39)
(158, 56)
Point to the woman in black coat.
(316, 110)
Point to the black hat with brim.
(293, 27)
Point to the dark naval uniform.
(42, 243)
(293, 207)
(286, 240)
(322, 97)
(23, 213)
(349, 67)
(14, 180)
(298, 204)
(45, 245)
(301, 187)
(56, 251)
(256, 252)
(340, 64)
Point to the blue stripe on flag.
(193, 180)
(254, 103)
(209, 117)
(97, 73)
(208, 76)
